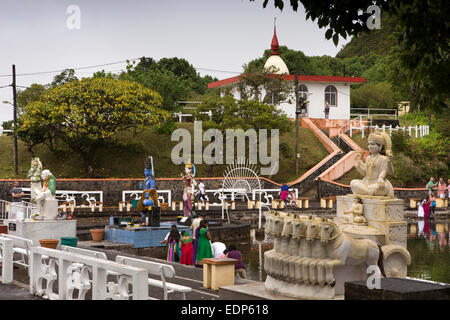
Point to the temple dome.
(278, 63)
(275, 59)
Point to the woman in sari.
(174, 249)
(203, 243)
(186, 249)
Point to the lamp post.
(297, 112)
(14, 132)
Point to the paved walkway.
(16, 291)
(185, 275)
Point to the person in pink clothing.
(442, 187)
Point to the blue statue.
(149, 198)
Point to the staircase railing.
(359, 119)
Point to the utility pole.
(16, 169)
(296, 121)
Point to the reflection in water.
(428, 244)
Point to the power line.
(80, 68)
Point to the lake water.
(428, 244)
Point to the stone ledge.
(397, 289)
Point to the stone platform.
(141, 237)
(398, 289)
(41, 229)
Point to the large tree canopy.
(175, 79)
(83, 115)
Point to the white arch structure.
(241, 178)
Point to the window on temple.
(331, 95)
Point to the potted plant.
(97, 234)
(49, 243)
(164, 206)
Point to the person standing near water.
(173, 240)
(203, 249)
(186, 249)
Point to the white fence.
(415, 131)
(374, 113)
(163, 195)
(77, 198)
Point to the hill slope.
(127, 160)
(377, 41)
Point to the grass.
(126, 160)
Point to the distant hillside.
(377, 41)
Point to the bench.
(218, 272)
(159, 269)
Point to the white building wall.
(316, 99)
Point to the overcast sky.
(210, 34)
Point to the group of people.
(191, 250)
(427, 207)
(440, 187)
(289, 198)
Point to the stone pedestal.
(48, 210)
(42, 229)
(218, 272)
(397, 289)
(328, 253)
(382, 214)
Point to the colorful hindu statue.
(34, 174)
(189, 186)
(149, 197)
(377, 167)
(45, 197)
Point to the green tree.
(229, 113)
(372, 95)
(83, 115)
(257, 80)
(33, 93)
(66, 76)
(175, 79)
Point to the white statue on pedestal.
(34, 174)
(48, 204)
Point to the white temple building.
(317, 89)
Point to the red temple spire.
(274, 45)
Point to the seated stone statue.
(377, 167)
(356, 211)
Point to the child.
(433, 205)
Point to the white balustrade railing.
(6, 257)
(17, 210)
(163, 195)
(90, 197)
(84, 274)
(415, 131)
(374, 112)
